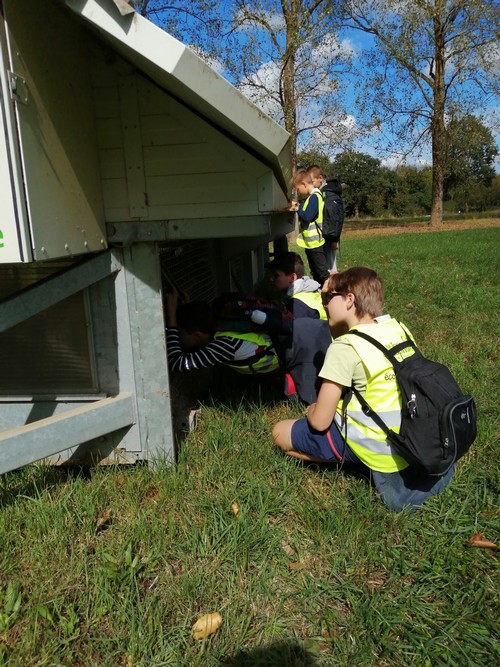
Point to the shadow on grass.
(32, 480)
(29, 482)
(289, 654)
(231, 389)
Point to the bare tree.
(428, 56)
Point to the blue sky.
(356, 42)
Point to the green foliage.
(470, 157)
(314, 570)
(376, 191)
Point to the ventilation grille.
(48, 353)
(190, 267)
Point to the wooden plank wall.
(158, 159)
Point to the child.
(333, 213)
(303, 297)
(354, 299)
(310, 220)
(192, 343)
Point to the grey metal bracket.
(29, 443)
(18, 88)
(40, 296)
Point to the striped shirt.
(221, 350)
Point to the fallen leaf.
(103, 520)
(409, 306)
(153, 495)
(477, 540)
(206, 625)
(298, 566)
(120, 480)
(235, 508)
(290, 552)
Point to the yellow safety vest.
(311, 236)
(364, 437)
(313, 300)
(265, 359)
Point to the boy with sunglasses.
(353, 299)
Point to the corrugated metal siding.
(49, 353)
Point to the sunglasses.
(326, 297)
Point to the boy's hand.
(294, 206)
(172, 303)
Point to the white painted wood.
(15, 243)
(191, 169)
(132, 143)
(179, 70)
(57, 134)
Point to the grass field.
(113, 567)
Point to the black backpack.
(233, 312)
(438, 422)
(333, 210)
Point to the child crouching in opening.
(193, 343)
(353, 299)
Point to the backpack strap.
(391, 356)
(389, 353)
(391, 435)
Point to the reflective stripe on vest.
(313, 300)
(264, 361)
(364, 437)
(311, 237)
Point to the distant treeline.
(378, 191)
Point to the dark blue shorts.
(328, 445)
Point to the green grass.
(314, 570)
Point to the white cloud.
(209, 59)
(261, 88)
(330, 48)
(397, 160)
(275, 20)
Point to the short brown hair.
(301, 175)
(365, 284)
(315, 171)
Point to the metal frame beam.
(29, 443)
(200, 228)
(40, 296)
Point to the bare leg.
(282, 438)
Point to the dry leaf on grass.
(235, 508)
(102, 521)
(477, 540)
(153, 495)
(300, 565)
(290, 551)
(206, 625)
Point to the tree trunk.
(288, 73)
(437, 123)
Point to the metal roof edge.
(177, 69)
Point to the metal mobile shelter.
(123, 156)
